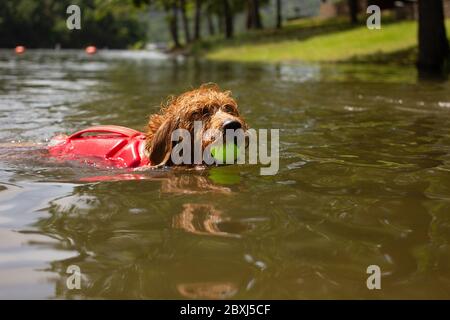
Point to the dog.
(215, 110)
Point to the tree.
(197, 22)
(228, 17)
(42, 24)
(170, 7)
(209, 20)
(433, 44)
(172, 16)
(253, 15)
(353, 10)
(213, 9)
(279, 14)
(184, 18)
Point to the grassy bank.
(313, 40)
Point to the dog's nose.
(231, 124)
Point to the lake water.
(364, 180)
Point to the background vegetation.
(42, 23)
(237, 30)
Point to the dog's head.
(213, 108)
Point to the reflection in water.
(201, 219)
(135, 245)
(191, 184)
(207, 290)
(364, 179)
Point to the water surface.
(364, 180)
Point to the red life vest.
(115, 146)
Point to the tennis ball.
(220, 152)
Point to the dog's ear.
(161, 145)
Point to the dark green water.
(364, 180)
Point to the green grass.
(329, 41)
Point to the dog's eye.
(205, 111)
(228, 109)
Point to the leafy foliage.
(42, 23)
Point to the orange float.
(19, 49)
(91, 49)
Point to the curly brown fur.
(207, 104)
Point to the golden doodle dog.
(215, 109)
(121, 147)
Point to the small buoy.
(19, 49)
(91, 50)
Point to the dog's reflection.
(208, 290)
(201, 219)
(204, 220)
(177, 209)
(192, 184)
(195, 218)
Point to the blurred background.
(275, 30)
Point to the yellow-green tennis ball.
(220, 152)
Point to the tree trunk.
(353, 10)
(249, 17)
(433, 44)
(187, 34)
(210, 22)
(228, 19)
(279, 15)
(220, 23)
(257, 14)
(253, 15)
(198, 12)
(173, 23)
